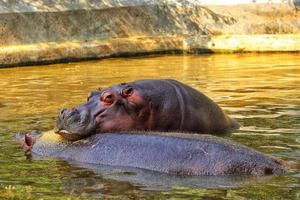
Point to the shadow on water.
(155, 181)
(104, 181)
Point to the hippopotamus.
(145, 105)
(171, 153)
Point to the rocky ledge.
(35, 32)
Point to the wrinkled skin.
(146, 105)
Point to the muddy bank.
(44, 32)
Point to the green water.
(261, 91)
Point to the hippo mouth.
(67, 134)
(75, 129)
(61, 131)
(76, 123)
(70, 135)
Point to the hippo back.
(171, 153)
(179, 107)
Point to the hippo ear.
(29, 141)
(127, 92)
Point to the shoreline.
(71, 51)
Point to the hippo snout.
(73, 123)
(66, 118)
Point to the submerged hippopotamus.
(172, 153)
(146, 105)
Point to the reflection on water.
(261, 91)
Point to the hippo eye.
(127, 92)
(107, 98)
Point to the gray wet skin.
(171, 153)
(146, 105)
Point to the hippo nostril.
(127, 92)
(62, 111)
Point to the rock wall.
(56, 31)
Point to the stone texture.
(55, 31)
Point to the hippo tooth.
(64, 131)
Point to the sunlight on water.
(261, 91)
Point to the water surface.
(261, 91)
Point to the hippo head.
(118, 108)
